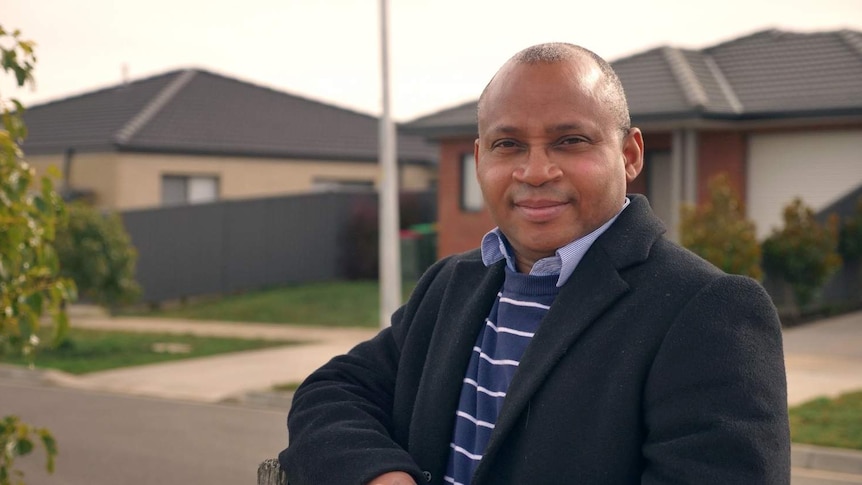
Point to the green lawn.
(829, 422)
(90, 350)
(343, 303)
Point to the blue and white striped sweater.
(514, 318)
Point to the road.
(110, 439)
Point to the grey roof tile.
(88, 121)
(650, 84)
(767, 74)
(719, 95)
(776, 71)
(196, 111)
(456, 120)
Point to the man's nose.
(537, 168)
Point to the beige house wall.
(124, 181)
(96, 172)
(139, 176)
(418, 177)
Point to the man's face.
(551, 158)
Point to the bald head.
(611, 90)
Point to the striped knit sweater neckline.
(513, 320)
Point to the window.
(323, 184)
(189, 189)
(471, 194)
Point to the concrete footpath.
(225, 377)
(823, 359)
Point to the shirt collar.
(495, 247)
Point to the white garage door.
(820, 167)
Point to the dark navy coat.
(652, 366)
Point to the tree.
(30, 285)
(804, 252)
(96, 252)
(718, 231)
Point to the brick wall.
(718, 152)
(458, 230)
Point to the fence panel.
(233, 246)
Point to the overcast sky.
(442, 52)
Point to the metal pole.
(390, 250)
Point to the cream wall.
(133, 180)
(820, 167)
(139, 176)
(96, 172)
(418, 177)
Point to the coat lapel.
(463, 310)
(594, 287)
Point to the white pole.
(390, 250)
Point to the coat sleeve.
(715, 401)
(340, 421)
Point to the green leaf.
(24, 447)
(50, 448)
(61, 327)
(35, 302)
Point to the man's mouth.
(540, 210)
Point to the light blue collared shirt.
(563, 262)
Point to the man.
(578, 346)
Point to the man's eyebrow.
(504, 129)
(558, 128)
(564, 127)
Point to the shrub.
(804, 252)
(850, 237)
(718, 231)
(360, 251)
(96, 252)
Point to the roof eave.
(281, 154)
(436, 133)
(745, 121)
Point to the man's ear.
(633, 151)
(476, 153)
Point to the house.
(779, 112)
(191, 135)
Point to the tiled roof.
(456, 120)
(765, 75)
(776, 71)
(199, 112)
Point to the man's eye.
(504, 144)
(571, 140)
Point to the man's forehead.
(578, 71)
(581, 75)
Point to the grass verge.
(86, 351)
(829, 422)
(332, 304)
(287, 387)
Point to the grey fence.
(233, 246)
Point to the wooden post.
(269, 473)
